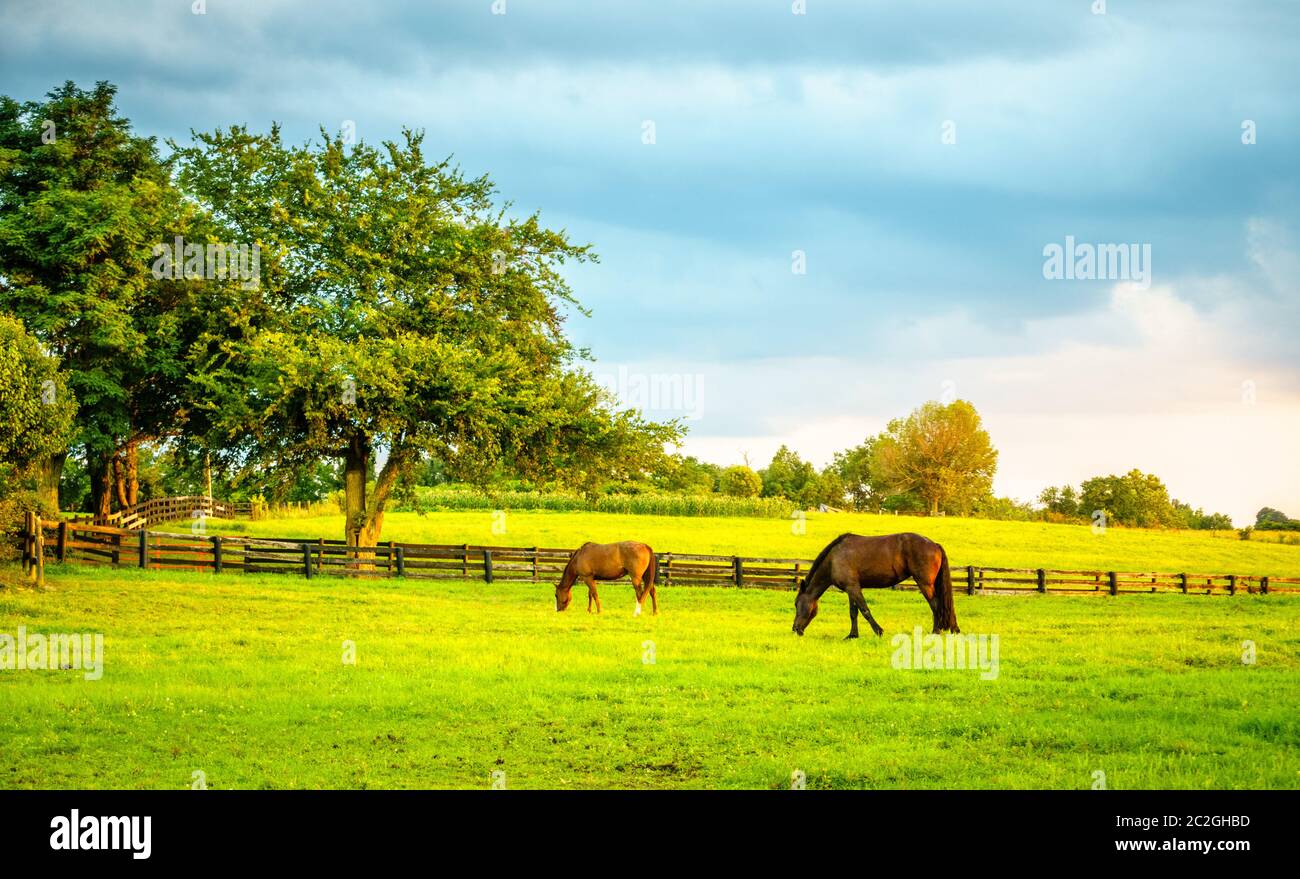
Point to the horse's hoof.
(850, 636)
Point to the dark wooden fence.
(101, 544)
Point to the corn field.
(634, 504)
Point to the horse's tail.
(651, 573)
(945, 613)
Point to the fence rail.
(85, 542)
(169, 509)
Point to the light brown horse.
(609, 561)
(852, 563)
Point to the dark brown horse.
(852, 563)
(609, 561)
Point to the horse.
(609, 561)
(852, 563)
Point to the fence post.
(464, 562)
(307, 560)
(1042, 580)
(117, 549)
(144, 548)
(1232, 584)
(535, 572)
(970, 579)
(40, 553)
(1263, 584)
(1182, 582)
(739, 573)
(216, 555)
(487, 566)
(27, 542)
(1114, 582)
(401, 561)
(320, 555)
(63, 542)
(33, 525)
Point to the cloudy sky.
(811, 223)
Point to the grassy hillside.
(242, 678)
(968, 541)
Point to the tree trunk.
(51, 471)
(132, 474)
(119, 483)
(100, 468)
(934, 506)
(126, 475)
(356, 464)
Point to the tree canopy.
(83, 202)
(940, 452)
(399, 308)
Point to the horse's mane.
(821, 557)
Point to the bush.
(18, 496)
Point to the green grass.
(241, 677)
(968, 541)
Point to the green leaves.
(36, 407)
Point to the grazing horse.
(609, 561)
(852, 563)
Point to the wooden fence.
(170, 509)
(101, 544)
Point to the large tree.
(83, 203)
(941, 453)
(401, 313)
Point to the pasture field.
(242, 678)
(968, 541)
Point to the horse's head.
(805, 608)
(563, 594)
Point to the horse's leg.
(654, 600)
(855, 597)
(592, 594)
(640, 592)
(927, 589)
(853, 621)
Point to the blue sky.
(824, 133)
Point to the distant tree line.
(1136, 498)
(1269, 519)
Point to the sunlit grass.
(242, 678)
